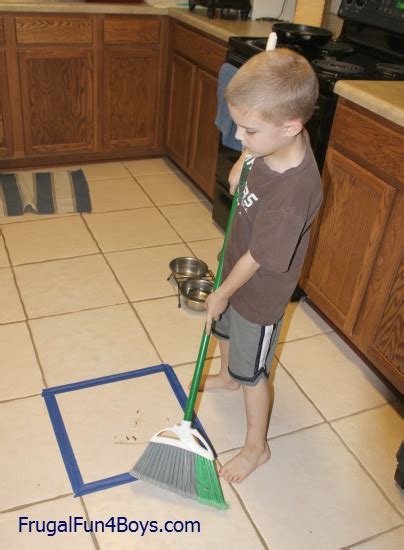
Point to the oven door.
(319, 126)
(222, 202)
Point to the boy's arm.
(235, 172)
(217, 302)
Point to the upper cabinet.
(84, 87)
(354, 272)
(192, 138)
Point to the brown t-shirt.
(272, 221)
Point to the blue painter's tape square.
(73, 470)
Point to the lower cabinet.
(204, 143)
(192, 137)
(180, 109)
(85, 87)
(356, 206)
(129, 97)
(354, 271)
(5, 121)
(57, 99)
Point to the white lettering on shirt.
(248, 198)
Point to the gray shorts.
(252, 347)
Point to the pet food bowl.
(195, 291)
(188, 267)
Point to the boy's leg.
(255, 451)
(223, 380)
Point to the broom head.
(182, 465)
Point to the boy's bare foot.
(241, 466)
(219, 382)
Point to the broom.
(184, 462)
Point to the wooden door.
(202, 162)
(57, 99)
(130, 97)
(355, 210)
(5, 121)
(379, 331)
(180, 109)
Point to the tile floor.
(87, 296)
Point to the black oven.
(371, 47)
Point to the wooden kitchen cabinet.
(204, 142)
(57, 99)
(192, 138)
(56, 59)
(5, 120)
(354, 272)
(132, 84)
(180, 108)
(85, 87)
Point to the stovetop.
(371, 45)
(332, 61)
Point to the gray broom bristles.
(169, 467)
(176, 470)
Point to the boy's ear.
(293, 127)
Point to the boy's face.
(262, 138)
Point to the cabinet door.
(202, 162)
(354, 214)
(5, 122)
(379, 331)
(57, 99)
(130, 97)
(180, 109)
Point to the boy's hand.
(215, 305)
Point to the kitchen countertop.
(219, 28)
(382, 98)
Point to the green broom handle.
(203, 348)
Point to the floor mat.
(56, 192)
(103, 425)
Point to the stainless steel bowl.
(195, 291)
(188, 267)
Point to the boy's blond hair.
(280, 85)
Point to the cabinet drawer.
(1, 31)
(137, 30)
(199, 49)
(50, 29)
(366, 139)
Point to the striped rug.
(57, 192)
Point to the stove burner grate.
(337, 67)
(336, 47)
(390, 69)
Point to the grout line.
(41, 219)
(357, 413)
(86, 255)
(126, 295)
(35, 503)
(20, 398)
(301, 338)
(247, 513)
(373, 537)
(367, 472)
(329, 423)
(26, 315)
(300, 388)
(93, 535)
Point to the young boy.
(270, 98)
